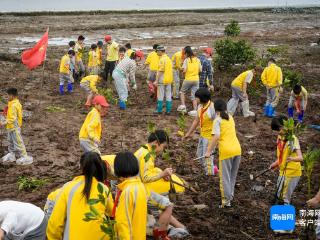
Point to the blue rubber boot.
(70, 87)
(168, 106)
(271, 112)
(300, 116)
(159, 106)
(122, 105)
(290, 112)
(266, 110)
(61, 90)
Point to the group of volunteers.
(134, 191)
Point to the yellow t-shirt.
(129, 51)
(79, 50)
(153, 61)
(112, 52)
(243, 77)
(14, 114)
(229, 145)
(65, 64)
(192, 68)
(291, 169)
(177, 60)
(93, 59)
(92, 79)
(165, 66)
(272, 76)
(206, 122)
(303, 95)
(99, 55)
(91, 128)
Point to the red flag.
(33, 57)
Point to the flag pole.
(44, 63)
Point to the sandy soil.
(52, 138)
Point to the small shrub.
(229, 52)
(232, 29)
(108, 94)
(30, 183)
(181, 121)
(309, 159)
(291, 78)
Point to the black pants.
(109, 67)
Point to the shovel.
(198, 158)
(184, 186)
(259, 174)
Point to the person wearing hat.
(79, 48)
(90, 132)
(99, 55)
(177, 60)
(124, 73)
(206, 78)
(164, 80)
(239, 92)
(93, 60)
(153, 62)
(112, 55)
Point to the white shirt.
(18, 218)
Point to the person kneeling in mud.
(123, 73)
(154, 178)
(89, 84)
(205, 117)
(124, 163)
(224, 135)
(289, 158)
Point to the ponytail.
(221, 106)
(92, 166)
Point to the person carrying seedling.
(191, 68)
(271, 78)
(205, 117)
(206, 75)
(315, 202)
(154, 178)
(289, 158)
(13, 125)
(64, 72)
(122, 54)
(93, 68)
(153, 62)
(124, 72)
(99, 54)
(67, 220)
(79, 48)
(89, 84)
(163, 81)
(112, 56)
(177, 59)
(298, 101)
(90, 132)
(128, 49)
(239, 88)
(224, 136)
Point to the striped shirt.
(128, 66)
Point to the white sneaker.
(182, 108)
(10, 157)
(192, 113)
(25, 160)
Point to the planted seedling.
(108, 94)
(309, 159)
(30, 183)
(107, 225)
(55, 109)
(181, 121)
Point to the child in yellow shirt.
(153, 62)
(89, 84)
(13, 125)
(93, 60)
(64, 72)
(99, 54)
(298, 101)
(289, 158)
(90, 132)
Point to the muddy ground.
(52, 138)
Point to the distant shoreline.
(151, 11)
